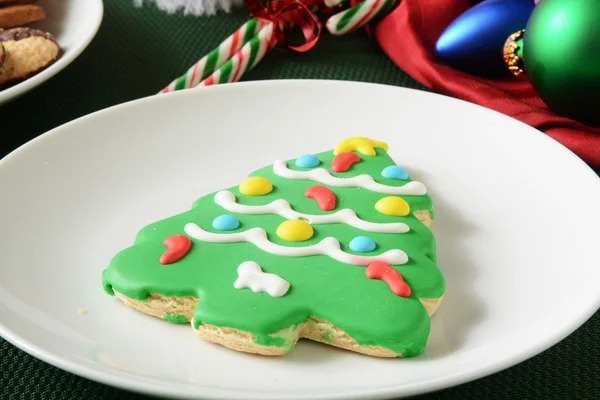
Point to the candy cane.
(240, 52)
(217, 57)
(245, 59)
(357, 16)
(333, 3)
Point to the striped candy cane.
(243, 61)
(216, 58)
(240, 52)
(357, 16)
(333, 3)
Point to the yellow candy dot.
(393, 205)
(295, 230)
(361, 144)
(255, 186)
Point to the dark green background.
(135, 54)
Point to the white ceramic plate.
(74, 24)
(516, 225)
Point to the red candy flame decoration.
(343, 161)
(382, 271)
(177, 246)
(286, 14)
(323, 196)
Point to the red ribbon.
(286, 14)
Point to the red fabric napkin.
(408, 36)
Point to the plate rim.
(154, 388)
(13, 92)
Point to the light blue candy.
(394, 172)
(226, 223)
(307, 161)
(362, 244)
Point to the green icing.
(176, 318)
(328, 335)
(268, 340)
(321, 287)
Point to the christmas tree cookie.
(333, 247)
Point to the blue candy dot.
(226, 223)
(362, 244)
(394, 172)
(307, 161)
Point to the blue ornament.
(473, 42)
(362, 244)
(394, 172)
(226, 223)
(307, 161)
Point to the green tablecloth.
(134, 55)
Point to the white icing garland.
(251, 276)
(282, 207)
(328, 246)
(365, 181)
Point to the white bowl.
(74, 24)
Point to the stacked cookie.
(23, 51)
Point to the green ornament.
(562, 57)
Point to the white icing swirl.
(364, 181)
(329, 246)
(281, 207)
(251, 276)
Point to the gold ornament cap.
(513, 62)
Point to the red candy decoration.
(323, 196)
(343, 161)
(382, 271)
(177, 246)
